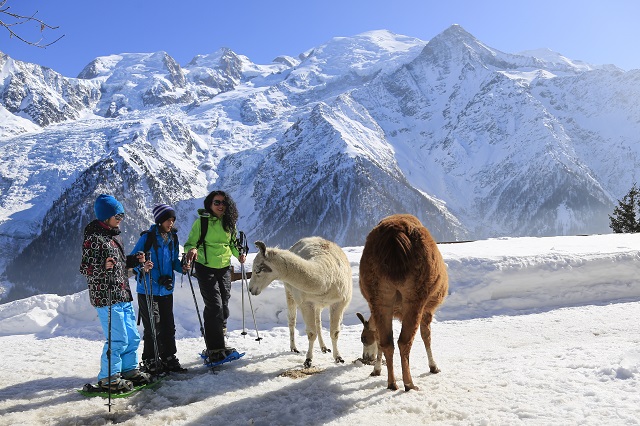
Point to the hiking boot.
(117, 385)
(137, 377)
(152, 366)
(172, 364)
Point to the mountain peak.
(456, 46)
(363, 54)
(456, 31)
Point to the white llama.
(316, 273)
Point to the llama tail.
(394, 248)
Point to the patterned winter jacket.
(101, 242)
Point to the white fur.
(316, 274)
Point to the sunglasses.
(119, 216)
(218, 202)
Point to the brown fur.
(402, 275)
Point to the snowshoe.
(218, 357)
(91, 390)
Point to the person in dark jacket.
(157, 287)
(105, 264)
(213, 267)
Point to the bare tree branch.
(12, 20)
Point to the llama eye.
(263, 268)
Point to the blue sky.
(598, 32)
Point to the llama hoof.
(307, 363)
(375, 373)
(295, 350)
(434, 369)
(339, 360)
(408, 388)
(392, 386)
(325, 350)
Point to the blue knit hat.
(107, 206)
(162, 212)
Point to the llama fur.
(316, 274)
(402, 275)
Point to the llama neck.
(296, 271)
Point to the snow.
(536, 331)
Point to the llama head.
(369, 339)
(261, 273)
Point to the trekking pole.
(244, 329)
(148, 289)
(246, 286)
(195, 301)
(110, 279)
(240, 244)
(243, 248)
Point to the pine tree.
(626, 216)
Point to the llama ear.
(359, 315)
(261, 247)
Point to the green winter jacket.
(218, 243)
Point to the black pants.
(215, 287)
(162, 313)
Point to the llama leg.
(425, 332)
(292, 309)
(323, 347)
(410, 323)
(335, 313)
(382, 316)
(309, 315)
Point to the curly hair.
(230, 214)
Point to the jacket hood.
(98, 227)
(205, 213)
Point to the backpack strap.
(149, 242)
(204, 225)
(152, 241)
(174, 233)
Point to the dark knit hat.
(162, 212)
(107, 206)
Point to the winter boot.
(172, 364)
(137, 377)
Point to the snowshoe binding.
(117, 385)
(138, 378)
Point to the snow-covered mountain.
(476, 142)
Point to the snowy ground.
(540, 331)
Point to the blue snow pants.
(124, 339)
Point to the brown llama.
(402, 275)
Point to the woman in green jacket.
(212, 258)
